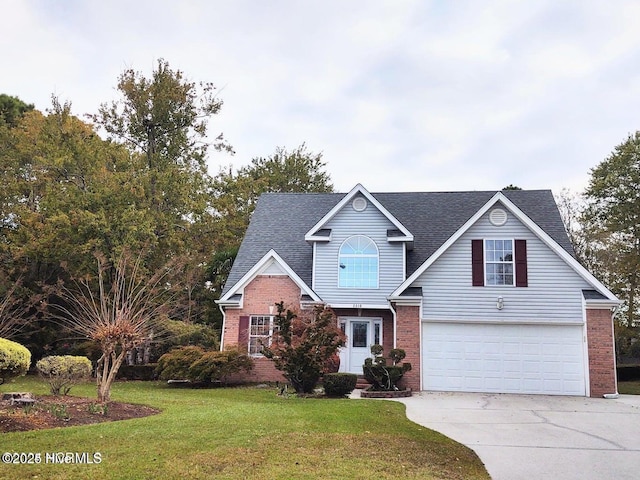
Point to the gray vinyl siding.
(346, 223)
(554, 293)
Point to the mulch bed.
(65, 411)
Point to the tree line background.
(133, 179)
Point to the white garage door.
(503, 358)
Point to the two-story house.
(481, 289)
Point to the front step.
(362, 383)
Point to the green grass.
(629, 388)
(238, 433)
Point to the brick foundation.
(600, 344)
(408, 338)
(263, 371)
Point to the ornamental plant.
(15, 360)
(339, 384)
(385, 377)
(62, 372)
(218, 366)
(174, 365)
(303, 345)
(202, 367)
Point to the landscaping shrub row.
(201, 366)
(628, 372)
(138, 372)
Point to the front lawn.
(239, 433)
(629, 388)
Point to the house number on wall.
(357, 305)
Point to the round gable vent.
(498, 217)
(359, 204)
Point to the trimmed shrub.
(218, 366)
(15, 360)
(339, 384)
(382, 376)
(199, 366)
(174, 365)
(63, 372)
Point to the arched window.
(358, 263)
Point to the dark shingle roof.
(281, 220)
(593, 295)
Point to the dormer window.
(358, 263)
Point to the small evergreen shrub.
(174, 365)
(382, 376)
(339, 384)
(200, 366)
(218, 366)
(15, 360)
(63, 372)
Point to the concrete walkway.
(539, 437)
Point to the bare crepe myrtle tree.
(119, 310)
(10, 317)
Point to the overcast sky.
(397, 95)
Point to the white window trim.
(269, 337)
(377, 256)
(513, 263)
(374, 321)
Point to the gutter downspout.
(395, 324)
(224, 321)
(615, 366)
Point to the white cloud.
(406, 95)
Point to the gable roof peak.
(359, 189)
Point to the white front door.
(361, 334)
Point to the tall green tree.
(164, 120)
(64, 193)
(612, 222)
(235, 194)
(11, 109)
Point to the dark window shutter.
(477, 263)
(521, 263)
(243, 332)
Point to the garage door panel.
(503, 358)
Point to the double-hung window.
(260, 332)
(499, 265)
(358, 263)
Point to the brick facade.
(408, 338)
(600, 344)
(265, 290)
(262, 292)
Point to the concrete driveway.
(538, 437)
